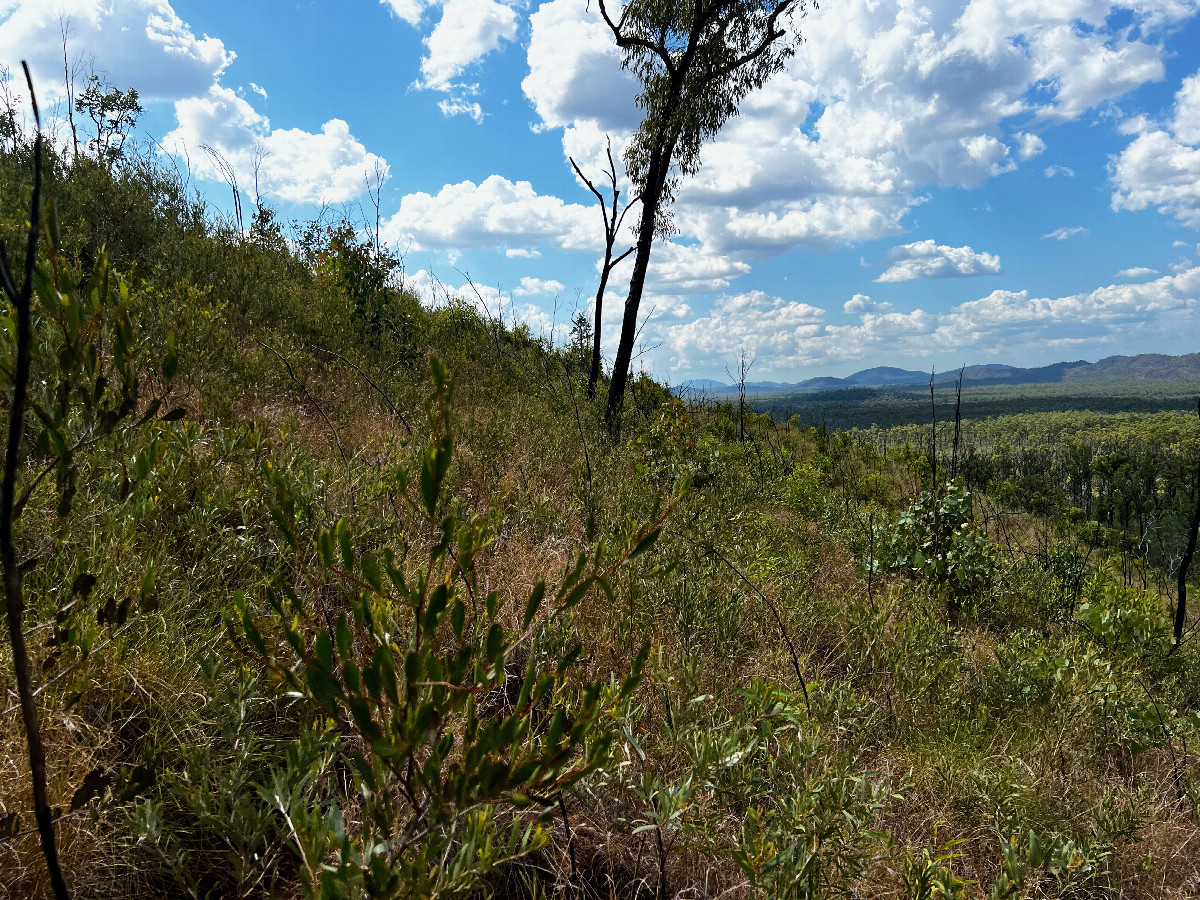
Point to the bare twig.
(1186, 562)
(562, 808)
(300, 384)
(717, 554)
(13, 597)
(313, 401)
(386, 399)
(957, 424)
(227, 172)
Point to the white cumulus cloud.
(1137, 272)
(928, 259)
(135, 43)
(532, 287)
(493, 303)
(409, 11)
(144, 44)
(494, 214)
(458, 106)
(787, 335)
(1031, 145)
(885, 98)
(1161, 167)
(296, 166)
(861, 303)
(763, 325)
(467, 31)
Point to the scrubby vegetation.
(872, 407)
(359, 597)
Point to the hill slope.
(1144, 367)
(358, 597)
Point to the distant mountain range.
(1143, 367)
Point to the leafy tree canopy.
(696, 61)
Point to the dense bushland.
(873, 407)
(364, 600)
(1124, 484)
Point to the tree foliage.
(113, 113)
(696, 62)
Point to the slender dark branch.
(10, 289)
(622, 256)
(28, 831)
(587, 457)
(562, 808)
(612, 174)
(1180, 793)
(772, 34)
(14, 600)
(932, 438)
(625, 41)
(300, 384)
(591, 187)
(1186, 562)
(957, 424)
(662, 863)
(717, 554)
(311, 399)
(19, 505)
(621, 221)
(73, 667)
(386, 399)
(612, 225)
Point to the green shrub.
(414, 689)
(934, 539)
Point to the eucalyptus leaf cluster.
(934, 539)
(757, 787)
(696, 62)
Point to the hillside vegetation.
(333, 594)
(867, 407)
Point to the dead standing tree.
(612, 227)
(696, 60)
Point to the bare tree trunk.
(957, 424)
(594, 371)
(651, 198)
(64, 27)
(612, 226)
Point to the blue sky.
(925, 185)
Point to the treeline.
(887, 407)
(1135, 475)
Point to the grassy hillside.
(359, 598)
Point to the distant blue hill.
(1145, 366)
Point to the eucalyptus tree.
(696, 60)
(114, 114)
